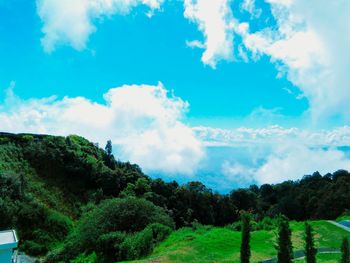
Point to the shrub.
(34, 248)
(143, 242)
(7, 212)
(160, 232)
(103, 228)
(137, 245)
(267, 223)
(109, 245)
(58, 224)
(235, 226)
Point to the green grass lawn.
(344, 217)
(213, 244)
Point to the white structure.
(8, 242)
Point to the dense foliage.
(310, 249)
(245, 243)
(117, 229)
(345, 251)
(284, 242)
(50, 185)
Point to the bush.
(137, 245)
(267, 223)
(109, 245)
(235, 226)
(142, 243)
(7, 212)
(160, 232)
(40, 226)
(58, 224)
(33, 248)
(134, 223)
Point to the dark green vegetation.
(345, 253)
(284, 242)
(310, 249)
(117, 229)
(68, 198)
(245, 243)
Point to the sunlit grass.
(213, 244)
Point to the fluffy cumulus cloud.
(144, 122)
(215, 20)
(298, 45)
(274, 154)
(307, 40)
(72, 22)
(290, 162)
(309, 43)
(287, 162)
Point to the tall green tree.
(345, 254)
(310, 249)
(284, 243)
(245, 246)
(108, 148)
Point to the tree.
(284, 245)
(310, 249)
(109, 148)
(244, 199)
(109, 159)
(245, 247)
(345, 258)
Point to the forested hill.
(66, 196)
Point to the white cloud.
(287, 162)
(72, 22)
(214, 19)
(307, 41)
(310, 44)
(272, 135)
(142, 120)
(276, 154)
(292, 162)
(237, 173)
(195, 44)
(249, 6)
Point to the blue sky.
(244, 78)
(136, 49)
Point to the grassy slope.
(344, 217)
(222, 244)
(12, 159)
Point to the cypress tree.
(284, 243)
(108, 148)
(310, 249)
(345, 258)
(245, 246)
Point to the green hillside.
(71, 201)
(212, 244)
(49, 183)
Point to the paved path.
(341, 224)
